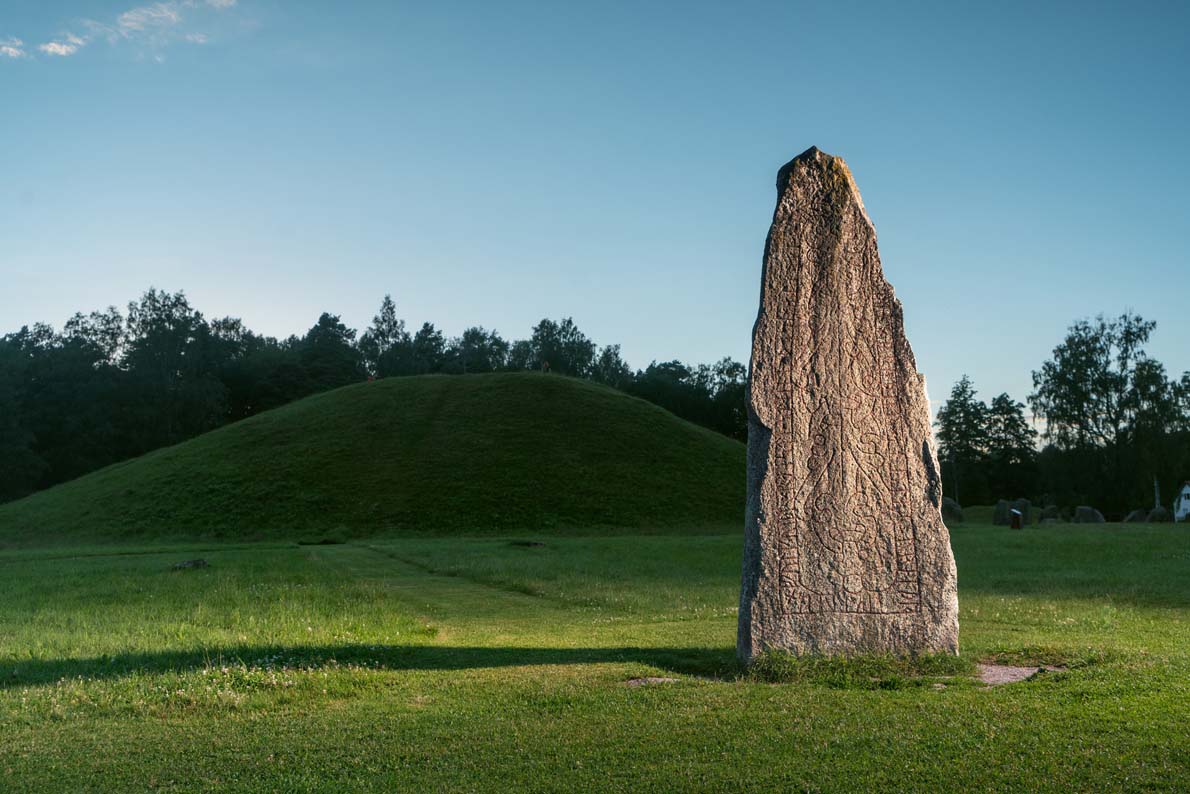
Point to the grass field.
(487, 665)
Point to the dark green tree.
(169, 356)
(247, 365)
(101, 332)
(329, 355)
(610, 369)
(428, 352)
(1181, 395)
(562, 348)
(477, 350)
(72, 402)
(21, 468)
(1085, 392)
(963, 443)
(728, 388)
(520, 356)
(1109, 408)
(1011, 449)
(387, 333)
(675, 387)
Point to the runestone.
(845, 551)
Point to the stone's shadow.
(688, 661)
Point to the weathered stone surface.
(1000, 515)
(1051, 511)
(1087, 515)
(845, 550)
(1135, 517)
(952, 511)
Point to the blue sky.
(493, 163)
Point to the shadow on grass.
(688, 661)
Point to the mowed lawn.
(494, 665)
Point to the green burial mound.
(431, 455)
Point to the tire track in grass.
(453, 604)
(508, 589)
(18, 557)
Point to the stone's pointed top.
(814, 158)
(812, 153)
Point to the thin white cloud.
(67, 45)
(12, 48)
(158, 15)
(154, 26)
(163, 14)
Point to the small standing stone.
(845, 550)
(1022, 506)
(1001, 515)
(952, 511)
(1087, 515)
(1159, 515)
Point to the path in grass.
(487, 665)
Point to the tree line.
(112, 385)
(1114, 424)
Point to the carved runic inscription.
(848, 552)
(845, 549)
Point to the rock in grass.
(952, 512)
(845, 550)
(1159, 515)
(1051, 512)
(1001, 674)
(651, 680)
(1135, 517)
(1084, 514)
(188, 564)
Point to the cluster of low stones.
(1050, 514)
(845, 549)
(1158, 515)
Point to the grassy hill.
(425, 455)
